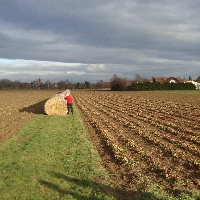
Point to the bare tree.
(118, 83)
(99, 84)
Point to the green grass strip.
(51, 158)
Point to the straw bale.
(56, 105)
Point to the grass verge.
(51, 158)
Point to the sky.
(90, 40)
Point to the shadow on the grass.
(37, 108)
(97, 188)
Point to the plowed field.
(141, 136)
(18, 107)
(146, 136)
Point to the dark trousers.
(69, 108)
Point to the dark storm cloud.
(125, 37)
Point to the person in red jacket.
(69, 100)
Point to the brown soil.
(20, 107)
(174, 107)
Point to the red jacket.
(68, 99)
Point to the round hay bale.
(56, 105)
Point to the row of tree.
(142, 84)
(148, 86)
(116, 84)
(40, 84)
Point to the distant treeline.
(116, 84)
(120, 84)
(6, 84)
(147, 86)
